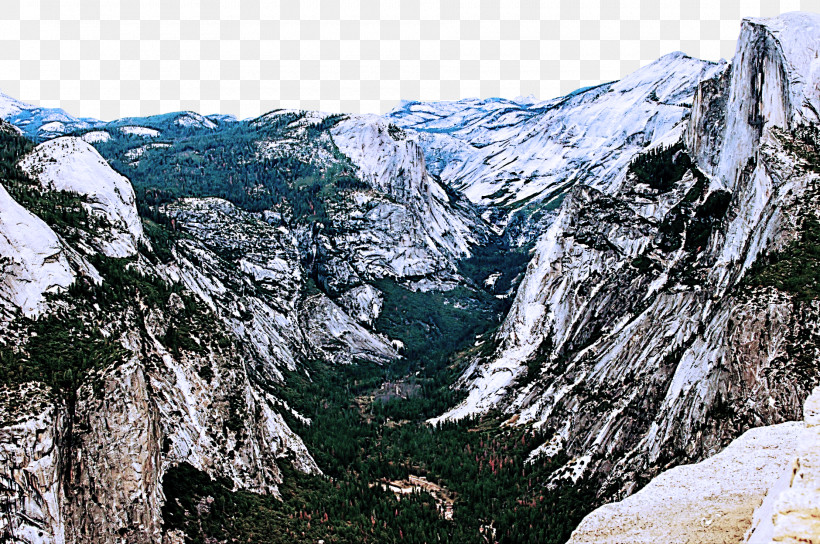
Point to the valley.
(473, 321)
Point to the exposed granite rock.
(711, 502)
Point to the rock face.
(402, 223)
(72, 165)
(248, 272)
(34, 262)
(790, 511)
(709, 502)
(633, 333)
(363, 303)
(31, 461)
(339, 338)
(393, 163)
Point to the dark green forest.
(230, 163)
(497, 496)
(661, 168)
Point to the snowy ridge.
(41, 123)
(508, 153)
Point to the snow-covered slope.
(41, 123)
(72, 165)
(632, 332)
(507, 153)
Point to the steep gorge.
(199, 314)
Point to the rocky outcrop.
(74, 166)
(89, 468)
(791, 511)
(797, 509)
(249, 273)
(711, 502)
(338, 338)
(363, 303)
(406, 224)
(33, 261)
(762, 488)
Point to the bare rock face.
(85, 463)
(762, 488)
(72, 165)
(363, 303)
(404, 224)
(89, 469)
(249, 273)
(115, 470)
(339, 338)
(32, 429)
(711, 502)
(797, 510)
(633, 333)
(33, 261)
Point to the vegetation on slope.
(796, 268)
(233, 163)
(661, 168)
(499, 497)
(62, 211)
(63, 347)
(363, 434)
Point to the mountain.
(40, 123)
(664, 315)
(167, 333)
(479, 320)
(522, 157)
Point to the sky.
(114, 58)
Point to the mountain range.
(484, 320)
